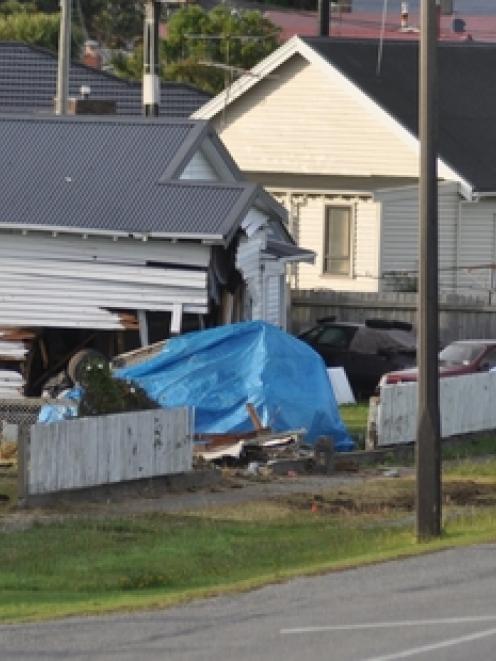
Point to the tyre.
(79, 361)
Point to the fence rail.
(88, 452)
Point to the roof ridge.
(207, 183)
(102, 119)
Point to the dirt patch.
(469, 493)
(399, 497)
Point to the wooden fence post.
(23, 451)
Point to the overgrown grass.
(88, 565)
(8, 489)
(483, 469)
(480, 445)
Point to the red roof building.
(457, 27)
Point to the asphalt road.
(436, 607)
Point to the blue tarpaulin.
(63, 411)
(219, 370)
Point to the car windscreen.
(311, 335)
(457, 354)
(376, 340)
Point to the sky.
(473, 7)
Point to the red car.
(460, 357)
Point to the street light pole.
(428, 444)
(64, 58)
(151, 59)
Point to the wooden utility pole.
(64, 58)
(428, 416)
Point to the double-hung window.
(337, 241)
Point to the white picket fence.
(468, 404)
(74, 454)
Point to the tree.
(115, 23)
(32, 28)
(206, 49)
(198, 40)
(128, 66)
(15, 7)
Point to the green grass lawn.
(90, 566)
(354, 417)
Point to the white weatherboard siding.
(101, 249)
(478, 242)
(308, 121)
(248, 262)
(274, 299)
(74, 283)
(399, 235)
(253, 221)
(199, 169)
(265, 281)
(307, 214)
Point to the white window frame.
(325, 243)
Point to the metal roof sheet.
(28, 76)
(106, 175)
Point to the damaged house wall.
(124, 232)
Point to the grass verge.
(93, 565)
(354, 417)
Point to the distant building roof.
(115, 176)
(368, 24)
(28, 76)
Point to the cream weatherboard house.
(334, 138)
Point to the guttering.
(138, 236)
(476, 195)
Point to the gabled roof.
(116, 176)
(467, 94)
(28, 76)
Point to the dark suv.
(365, 351)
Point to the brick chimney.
(92, 55)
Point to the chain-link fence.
(22, 410)
(19, 414)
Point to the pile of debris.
(11, 384)
(14, 348)
(258, 450)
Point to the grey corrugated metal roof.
(288, 251)
(104, 174)
(28, 78)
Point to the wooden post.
(428, 416)
(23, 442)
